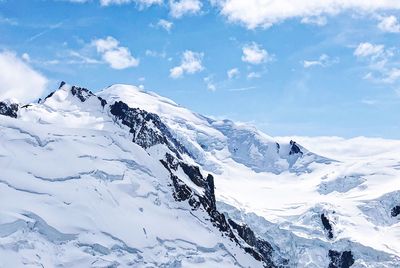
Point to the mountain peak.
(221, 188)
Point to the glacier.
(126, 178)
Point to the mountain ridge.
(151, 135)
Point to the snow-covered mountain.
(126, 178)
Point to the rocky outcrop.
(146, 128)
(260, 249)
(395, 211)
(83, 94)
(343, 259)
(294, 148)
(207, 201)
(327, 225)
(9, 109)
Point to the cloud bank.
(265, 13)
(18, 80)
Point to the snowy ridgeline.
(127, 178)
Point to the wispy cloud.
(49, 29)
(232, 73)
(9, 21)
(156, 54)
(253, 75)
(209, 80)
(368, 49)
(240, 89)
(383, 63)
(165, 24)
(141, 3)
(315, 20)
(323, 61)
(369, 101)
(78, 58)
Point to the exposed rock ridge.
(9, 109)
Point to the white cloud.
(315, 20)
(191, 63)
(183, 7)
(264, 13)
(116, 56)
(232, 73)
(78, 58)
(253, 53)
(323, 61)
(368, 49)
(18, 79)
(389, 24)
(383, 63)
(166, 25)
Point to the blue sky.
(307, 68)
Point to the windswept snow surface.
(77, 192)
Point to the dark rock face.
(395, 211)
(10, 109)
(327, 225)
(278, 148)
(147, 128)
(207, 201)
(294, 149)
(83, 94)
(343, 259)
(260, 249)
(49, 96)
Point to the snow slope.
(76, 192)
(88, 181)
